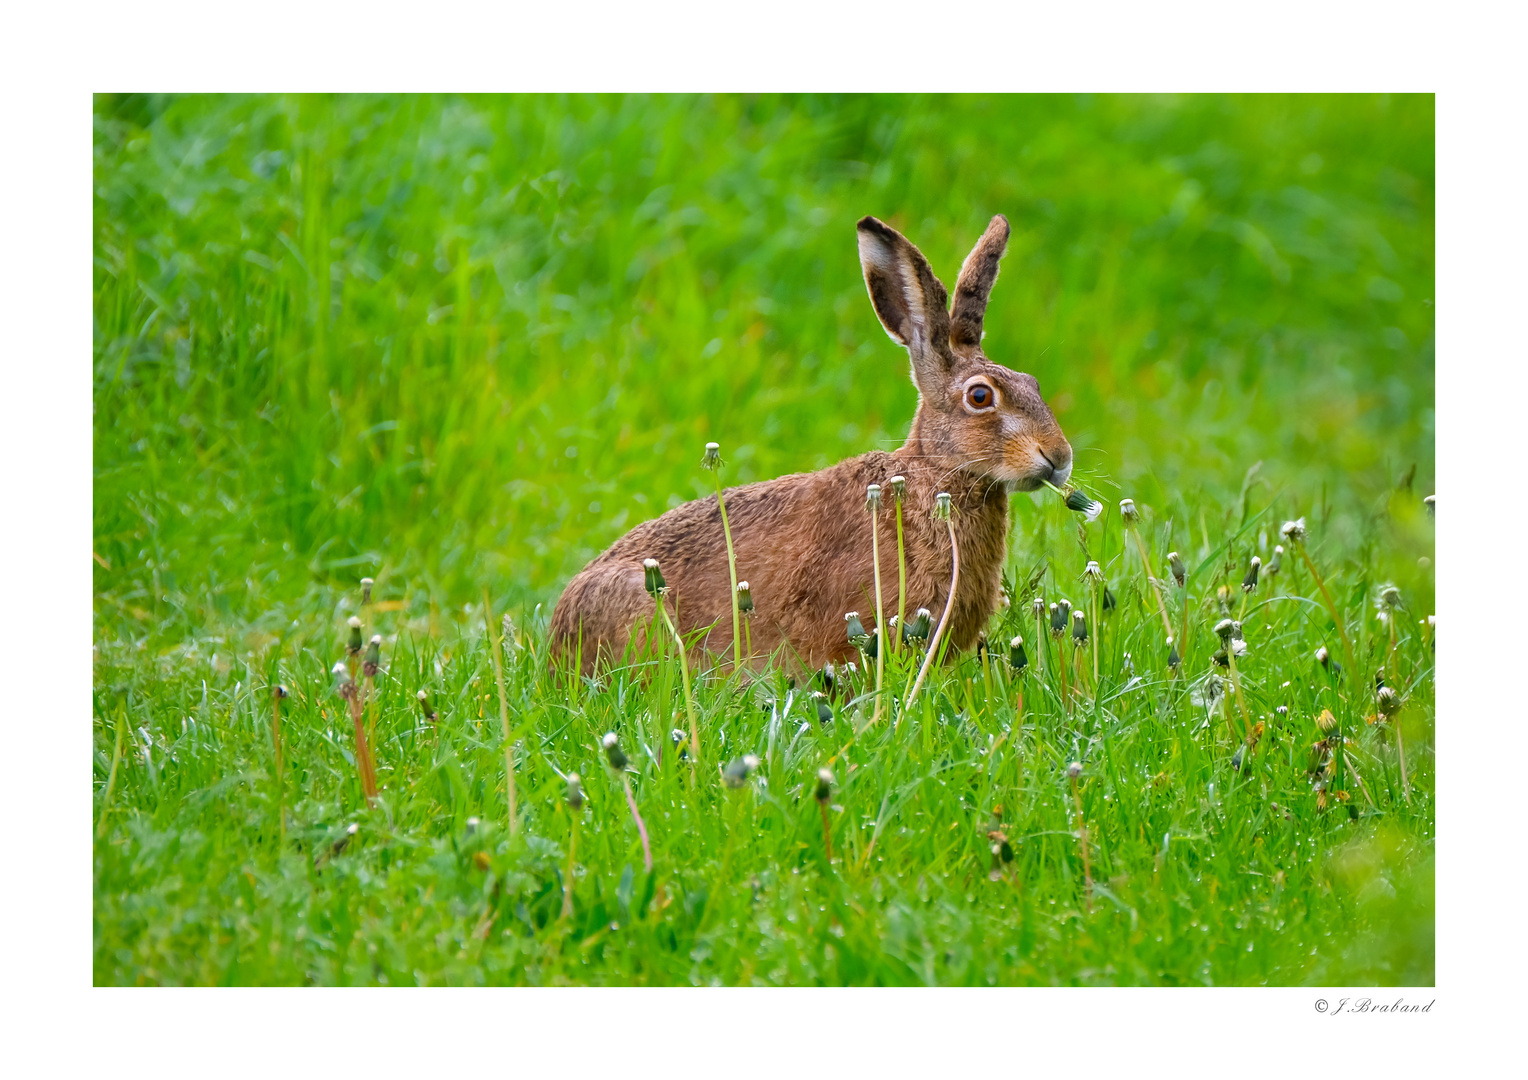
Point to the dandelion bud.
(1109, 602)
(712, 460)
(613, 752)
(873, 643)
(1039, 607)
(653, 577)
(575, 795)
(1221, 658)
(371, 663)
(898, 486)
(856, 630)
(824, 710)
(1389, 597)
(677, 736)
(1236, 758)
(354, 644)
(744, 598)
(1387, 701)
(1277, 562)
(424, 705)
(1224, 628)
(1085, 505)
(873, 498)
(1250, 581)
(1092, 571)
(1079, 629)
(1293, 532)
(1128, 512)
(342, 681)
(942, 506)
(1016, 656)
(281, 691)
(1074, 770)
(1175, 564)
(1428, 502)
(366, 584)
(918, 629)
(474, 822)
(1173, 659)
(736, 773)
(824, 785)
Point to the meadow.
(459, 345)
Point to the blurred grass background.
(457, 342)
(461, 340)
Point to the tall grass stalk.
(1073, 772)
(567, 877)
(941, 510)
(1331, 607)
(898, 487)
(494, 650)
(684, 675)
(111, 777)
(1152, 584)
(712, 462)
(873, 504)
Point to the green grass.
(456, 343)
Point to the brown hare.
(803, 542)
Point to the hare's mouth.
(1041, 471)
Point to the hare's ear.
(908, 298)
(974, 285)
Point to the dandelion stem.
(647, 851)
(1140, 545)
(1400, 745)
(684, 674)
(827, 832)
(949, 603)
(1097, 631)
(567, 879)
(363, 761)
(509, 746)
(1066, 684)
(1241, 702)
(1040, 640)
(880, 615)
(1347, 645)
(721, 503)
(896, 639)
(1082, 839)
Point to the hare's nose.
(1059, 474)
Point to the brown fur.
(803, 542)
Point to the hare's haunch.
(802, 542)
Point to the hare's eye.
(979, 396)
